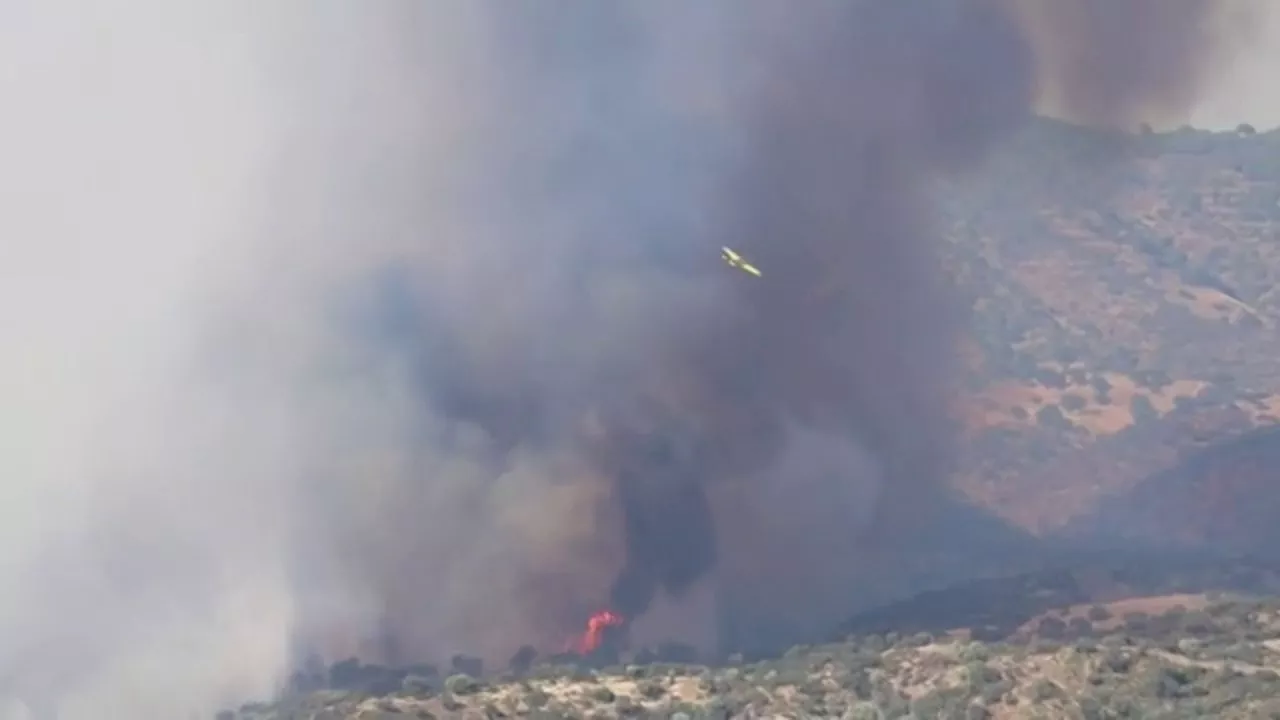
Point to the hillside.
(1223, 496)
(1130, 638)
(1125, 293)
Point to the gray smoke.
(400, 329)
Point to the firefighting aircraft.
(735, 260)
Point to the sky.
(1247, 92)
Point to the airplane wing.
(735, 260)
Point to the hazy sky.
(1249, 92)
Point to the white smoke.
(157, 429)
(198, 466)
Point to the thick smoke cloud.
(399, 329)
(1123, 63)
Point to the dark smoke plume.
(399, 328)
(787, 425)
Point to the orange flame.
(594, 635)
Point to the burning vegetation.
(599, 626)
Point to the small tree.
(1073, 402)
(1142, 409)
(1050, 416)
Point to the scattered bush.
(462, 684)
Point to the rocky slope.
(1126, 294)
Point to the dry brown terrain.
(1126, 295)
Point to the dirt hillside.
(1125, 293)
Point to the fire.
(594, 635)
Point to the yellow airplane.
(737, 261)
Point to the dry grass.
(1195, 664)
(1015, 405)
(1098, 636)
